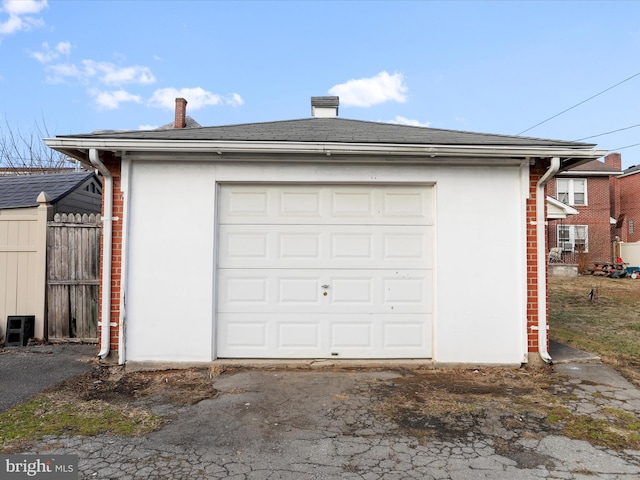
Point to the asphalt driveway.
(269, 424)
(25, 371)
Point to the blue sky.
(496, 67)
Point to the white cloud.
(400, 120)
(365, 92)
(147, 127)
(235, 100)
(23, 7)
(197, 98)
(63, 48)
(105, 72)
(20, 15)
(60, 72)
(112, 100)
(115, 75)
(49, 54)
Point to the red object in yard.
(618, 260)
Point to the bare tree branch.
(25, 153)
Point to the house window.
(631, 226)
(573, 238)
(572, 191)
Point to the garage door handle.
(325, 286)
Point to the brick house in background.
(628, 214)
(593, 190)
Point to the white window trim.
(570, 246)
(571, 191)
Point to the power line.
(578, 104)
(628, 146)
(607, 133)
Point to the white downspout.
(107, 240)
(542, 258)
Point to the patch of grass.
(597, 432)
(606, 326)
(47, 414)
(450, 404)
(558, 414)
(619, 430)
(623, 419)
(101, 401)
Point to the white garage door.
(325, 271)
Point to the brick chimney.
(614, 160)
(181, 113)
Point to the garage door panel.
(406, 290)
(333, 205)
(407, 333)
(246, 334)
(300, 203)
(248, 245)
(324, 336)
(349, 335)
(299, 335)
(352, 246)
(283, 335)
(247, 290)
(299, 246)
(351, 289)
(298, 292)
(341, 246)
(346, 291)
(406, 205)
(353, 204)
(249, 202)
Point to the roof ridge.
(318, 129)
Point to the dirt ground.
(112, 384)
(435, 404)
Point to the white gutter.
(107, 238)
(582, 173)
(542, 258)
(325, 148)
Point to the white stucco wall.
(480, 258)
(630, 253)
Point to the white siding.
(479, 262)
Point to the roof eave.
(587, 173)
(629, 173)
(566, 209)
(77, 147)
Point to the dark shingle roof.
(596, 166)
(333, 130)
(189, 123)
(632, 169)
(23, 190)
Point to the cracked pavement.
(326, 424)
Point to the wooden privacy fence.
(73, 268)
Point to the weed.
(46, 414)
